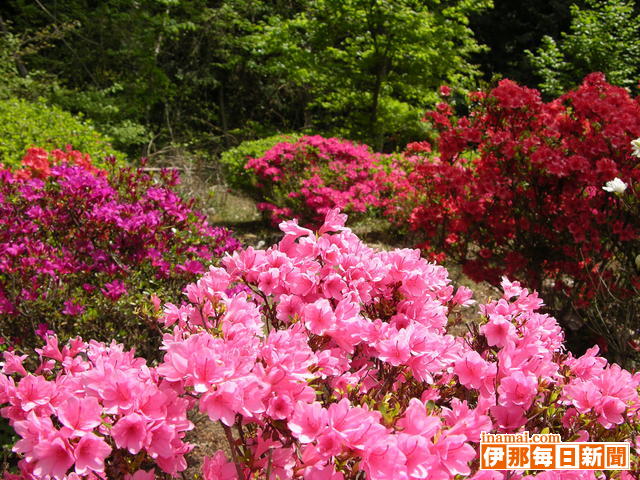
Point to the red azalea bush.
(517, 189)
(307, 178)
(83, 250)
(322, 359)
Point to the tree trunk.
(377, 134)
(223, 114)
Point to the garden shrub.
(308, 178)
(26, 124)
(321, 358)
(517, 190)
(234, 160)
(82, 251)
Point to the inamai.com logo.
(548, 452)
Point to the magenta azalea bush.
(307, 178)
(321, 358)
(82, 251)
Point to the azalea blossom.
(635, 145)
(615, 186)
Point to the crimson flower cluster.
(516, 188)
(79, 246)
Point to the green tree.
(604, 37)
(153, 72)
(224, 86)
(370, 67)
(211, 74)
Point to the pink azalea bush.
(308, 177)
(83, 250)
(321, 358)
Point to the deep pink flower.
(72, 307)
(90, 454)
(114, 290)
(130, 432)
(43, 330)
(53, 457)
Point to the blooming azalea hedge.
(321, 358)
(522, 180)
(307, 177)
(82, 251)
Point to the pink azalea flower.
(319, 317)
(499, 331)
(472, 370)
(416, 421)
(280, 407)
(610, 410)
(518, 389)
(322, 473)
(383, 460)
(221, 404)
(52, 457)
(13, 363)
(130, 432)
(90, 453)
(508, 418)
(308, 421)
(80, 415)
(218, 467)
(142, 475)
(34, 392)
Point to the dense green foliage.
(370, 67)
(24, 124)
(213, 74)
(604, 37)
(208, 75)
(234, 160)
(511, 28)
